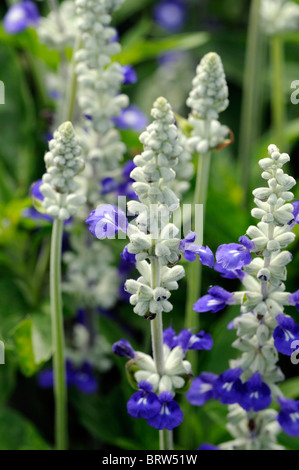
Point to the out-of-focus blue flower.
(285, 333)
(171, 58)
(20, 16)
(129, 74)
(228, 386)
(295, 214)
(170, 415)
(131, 118)
(202, 389)
(82, 377)
(288, 417)
(144, 403)
(108, 185)
(294, 299)
(216, 300)
(187, 340)
(170, 14)
(207, 446)
(255, 394)
(106, 220)
(128, 257)
(35, 215)
(190, 250)
(123, 348)
(229, 273)
(234, 256)
(124, 186)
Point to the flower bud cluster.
(208, 98)
(58, 29)
(63, 163)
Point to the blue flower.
(207, 446)
(128, 257)
(285, 333)
(131, 118)
(169, 337)
(123, 348)
(20, 16)
(170, 415)
(229, 273)
(216, 300)
(295, 220)
(186, 340)
(294, 299)
(106, 220)
(202, 389)
(144, 403)
(233, 256)
(82, 377)
(170, 14)
(256, 394)
(288, 417)
(108, 185)
(228, 387)
(35, 215)
(129, 74)
(205, 255)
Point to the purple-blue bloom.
(35, 190)
(106, 220)
(295, 221)
(234, 256)
(108, 185)
(128, 257)
(35, 215)
(285, 333)
(170, 14)
(123, 348)
(216, 300)
(186, 340)
(20, 16)
(207, 446)
(129, 74)
(82, 377)
(228, 386)
(294, 299)
(255, 394)
(170, 415)
(190, 250)
(131, 118)
(229, 273)
(144, 403)
(288, 417)
(202, 389)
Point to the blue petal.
(288, 417)
(123, 348)
(284, 334)
(201, 389)
(170, 415)
(256, 394)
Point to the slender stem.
(277, 102)
(70, 101)
(251, 85)
(60, 391)
(195, 268)
(165, 436)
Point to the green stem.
(70, 101)
(277, 102)
(60, 391)
(251, 86)
(165, 436)
(195, 268)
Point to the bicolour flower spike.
(234, 256)
(170, 14)
(216, 300)
(106, 221)
(202, 389)
(256, 395)
(170, 415)
(123, 348)
(285, 333)
(20, 16)
(228, 386)
(131, 118)
(129, 74)
(144, 403)
(288, 417)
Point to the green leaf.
(32, 340)
(148, 49)
(17, 433)
(290, 388)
